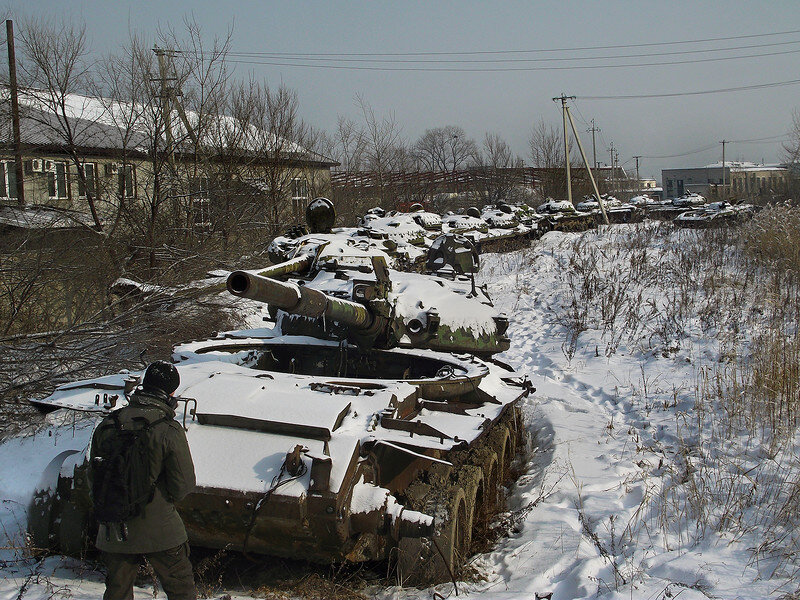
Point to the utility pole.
(586, 164)
(611, 152)
(564, 99)
(723, 142)
(165, 94)
(594, 129)
(12, 80)
(638, 181)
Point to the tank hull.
(360, 437)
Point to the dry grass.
(277, 579)
(731, 468)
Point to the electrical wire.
(541, 50)
(338, 58)
(781, 137)
(292, 63)
(277, 482)
(695, 93)
(777, 138)
(689, 153)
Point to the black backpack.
(121, 478)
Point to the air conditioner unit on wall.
(112, 169)
(36, 165)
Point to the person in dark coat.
(158, 532)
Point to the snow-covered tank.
(562, 216)
(367, 422)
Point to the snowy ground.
(601, 511)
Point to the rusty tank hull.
(362, 444)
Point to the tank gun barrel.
(299, 300)
(295, 265)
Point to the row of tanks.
(367, 420)
(406, 237)
(692, 210)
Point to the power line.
(696, 93)
(690, 152)
(505, 69)
(773, 138)
(538, 50)
(339, 58)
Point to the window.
(126, 187)
(56, 180)
(201, 213)
(200, 203)
(90, 174)
(8, 180)
(299, 188)
(198, 187)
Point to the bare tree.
(384, 149)
(444, 149)
(58, 317)
(55, 66)
(349, 145)
(791, 148)
(276, 138)
(791, 155)
(546, 146)
(498, 169)
(165, 103)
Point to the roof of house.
(735, 166)
(739, 165)
(103, 124)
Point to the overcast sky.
(510, 101)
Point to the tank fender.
(44, 509)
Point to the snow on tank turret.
(348, 293)
(616, 210)
(562, 216)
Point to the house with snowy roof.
(92, 155)
(740, 179)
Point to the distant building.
(742, 179)
(647, 184)
(116, 165)
(611, 175)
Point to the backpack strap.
(149, 425)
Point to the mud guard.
(59, 516)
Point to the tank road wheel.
(486, 504)
(506, 452)
(473, 482)
(427, 561)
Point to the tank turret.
(358, 298)
(366, 324)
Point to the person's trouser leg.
(121, 574)
(174, 571)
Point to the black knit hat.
(163, 376)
